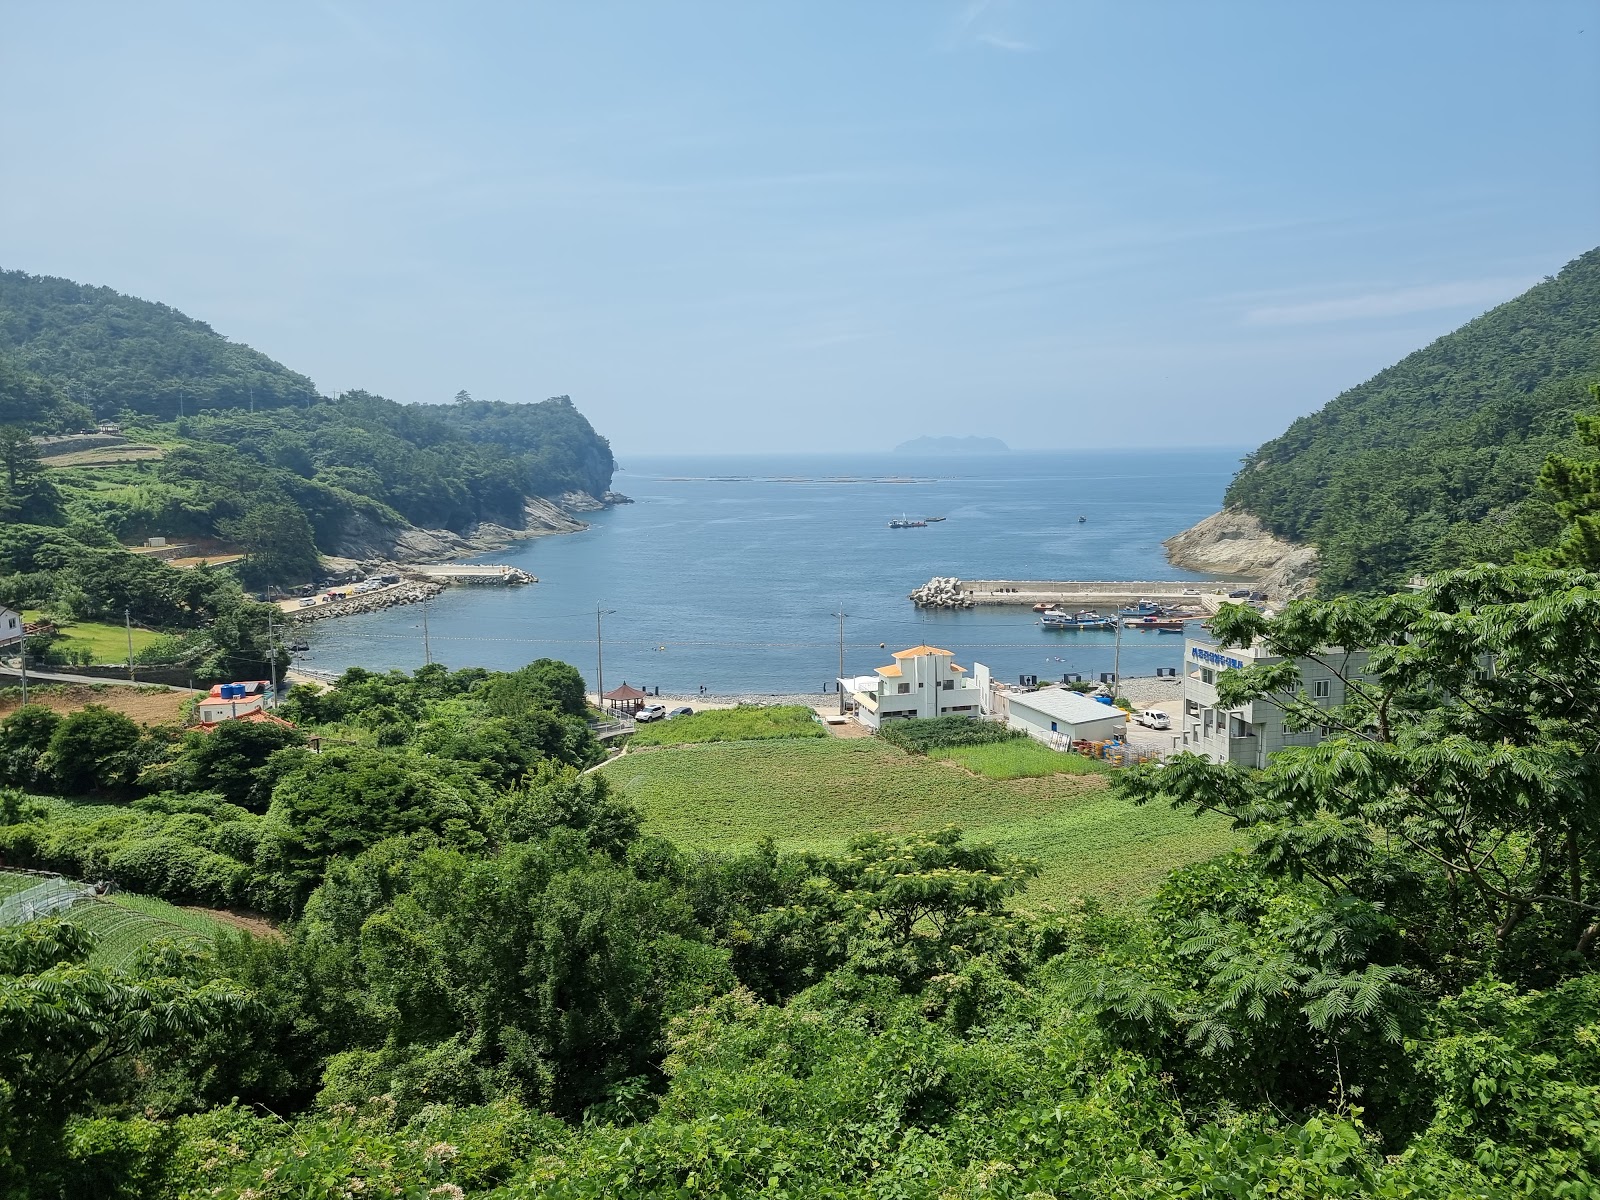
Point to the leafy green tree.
(94, 750)
(545, 971)
(72, 1035)
(24, 737)
(342, 801)
(277, 542)
(26, 492)
(1575, 485)
(229, 760)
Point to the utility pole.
(838, 683)
(127, 622)
(1116, 657)
(22, 649)
(272, 651)
(599, 657)
(427, 646)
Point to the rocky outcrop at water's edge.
(367, 543)
(1234, 542)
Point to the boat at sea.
(930, 520)
(906, 523)
(1082, 619)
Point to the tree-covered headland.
(1434, 462)
(241, 452)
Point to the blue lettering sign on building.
(1211, 656)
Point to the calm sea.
(727, 571)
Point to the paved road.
(56, 677)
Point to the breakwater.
(411, 592)
(949, 592)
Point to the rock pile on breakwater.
(940, 592)
(413, 591)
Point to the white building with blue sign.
(1248, 735)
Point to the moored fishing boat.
(1164, 623)
(1082, 619)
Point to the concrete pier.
(1070, 593)
(473, 573)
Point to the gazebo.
(624, 699)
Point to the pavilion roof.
(625, 693)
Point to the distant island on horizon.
(953, 445)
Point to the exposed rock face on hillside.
(368, 541)
(1233, 542)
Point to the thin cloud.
(1462, 293)
(1001, 42)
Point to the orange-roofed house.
(229, 701)
(923, 681)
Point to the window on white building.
(903, 688)
(1322, 689)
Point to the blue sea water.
(726, 571)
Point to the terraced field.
(817, 794)
(122, 924)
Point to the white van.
(1154, 718)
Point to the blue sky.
(818, 226)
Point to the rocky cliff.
(1232, 542)
(367, 541)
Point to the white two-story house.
(923, 681)
(10, 626)
(1247, 735)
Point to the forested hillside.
(257, 462)
(1433, 462)
(256, 458)
(494, 984)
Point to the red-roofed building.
(229, 701)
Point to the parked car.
(1154, 718)
(307, 601)
(683, 710)
(1258, 595)
(650, 712)
(1241, 594)
(1191, 591)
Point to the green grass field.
(817, 794)
(745, 723)
(106, 643)
(1019, 758)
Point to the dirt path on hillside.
(251, 923)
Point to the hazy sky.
(807, 226)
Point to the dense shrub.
(919, 735)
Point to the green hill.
(1432, 462)
(254, 441)
(111, 352)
